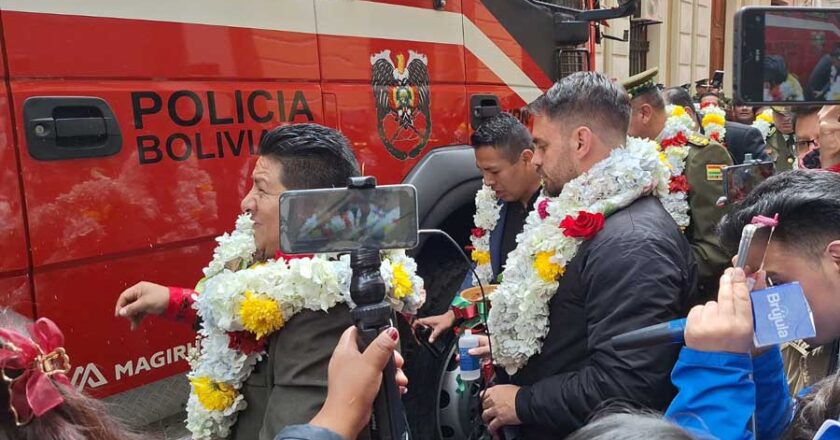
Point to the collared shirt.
(514, 223)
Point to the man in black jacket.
(740, 139)
(743, 139)
(637, 271)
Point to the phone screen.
(739, 180)
(342, 220)
(753, 247)
(717, 79)
(794, 51)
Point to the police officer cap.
(641, 83)
(701, 82)
(783, 110)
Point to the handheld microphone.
(671, 332)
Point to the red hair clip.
(42, 362)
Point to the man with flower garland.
(741, 139)
(599, 256)
(703, 175)
(289, 385)
(503, 151)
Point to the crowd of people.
(599, 215)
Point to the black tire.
(442, 268)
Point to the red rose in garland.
(586, 225)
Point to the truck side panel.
(191, 101)
(14, 265)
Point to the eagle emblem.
(401, 92)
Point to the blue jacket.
(719, 392)
(495, 249)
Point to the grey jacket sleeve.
(307, 432)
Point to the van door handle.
(70, 128)
(483, 107)
(66, 128)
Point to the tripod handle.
(387, 422)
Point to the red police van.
(127, 129)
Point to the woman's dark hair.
(79, 418)
(630, 426)
(812, 409)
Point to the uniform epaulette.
(772, 131)
(698, 140)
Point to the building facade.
(687, 39)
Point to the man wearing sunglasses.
(724, 382)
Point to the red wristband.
(180, 305)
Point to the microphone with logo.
(780, 314)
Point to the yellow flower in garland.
(664, 159)
(402, 282)
(547, 270)
(712, 118)
(260, 314)
(480, 257)
(677, 111)
(765, 117)
(214, 396)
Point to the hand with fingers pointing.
(725, 325)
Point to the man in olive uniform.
(701, 87)
(780, 140)
(703, 170)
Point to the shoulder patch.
(698, 140)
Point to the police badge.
(401, 93)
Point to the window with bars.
(571, 60)
(639, 46)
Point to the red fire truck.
(127, 129)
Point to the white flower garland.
(790, 90)
(237, 247)
(487, 208)
(252, 303)
(519, 317)
(714, 120)
(764, 122)
(674, 146)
